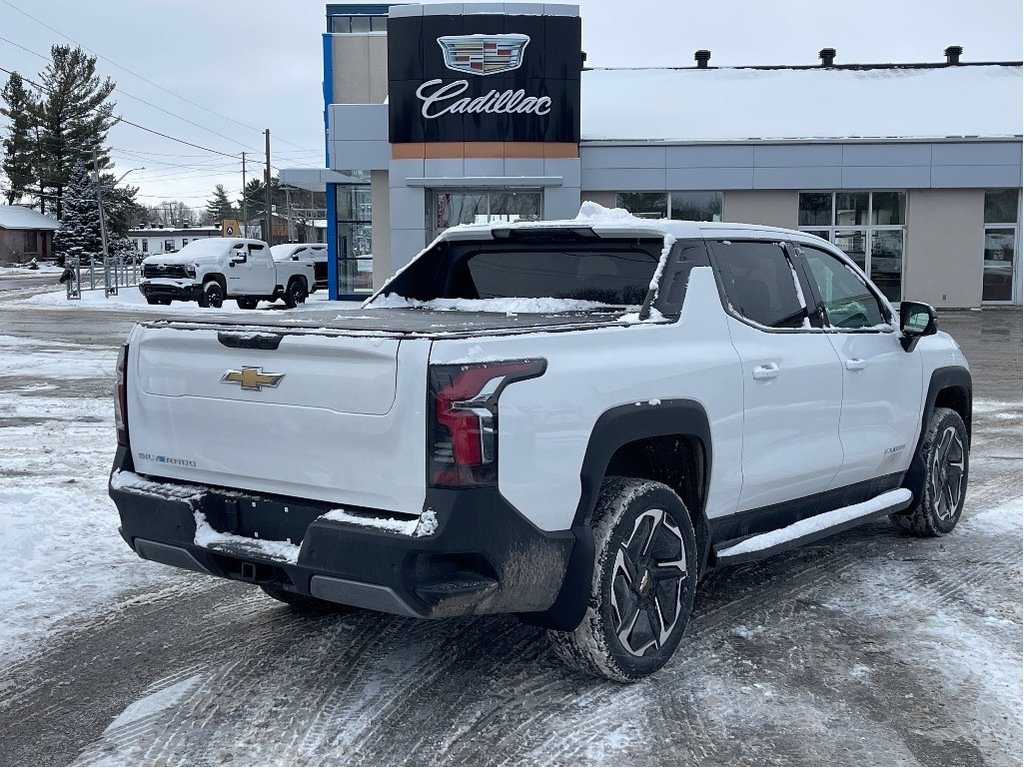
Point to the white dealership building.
(443, 114)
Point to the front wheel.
(645, 576)
(945, 452)
(212, 295)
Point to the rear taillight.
(121, 397)
(463, 426)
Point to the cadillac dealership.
(437, 115)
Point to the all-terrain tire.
(295, 293)
(945, 452)
(645, 576)
(305, 602)
(212, 295)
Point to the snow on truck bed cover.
(415, 322)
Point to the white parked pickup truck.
(212, 269)
(571, 421)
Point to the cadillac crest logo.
(483, 54)
(252, 378)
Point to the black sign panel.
(483, 77)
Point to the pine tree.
(19, 147)
(121, 211)
(79, 231)
(73, 115)
(219, 208)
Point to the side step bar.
(763, 545)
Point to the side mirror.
(917, 319)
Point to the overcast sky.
(246, 65)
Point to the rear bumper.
(482, 557)
(169, 290)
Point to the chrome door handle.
(767, 371)
(856, 364)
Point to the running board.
(763, 545)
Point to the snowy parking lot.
(871, 647)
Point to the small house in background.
(25, 235)
(163, 239)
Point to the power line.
(123, 92)
(142, 77)
(126, 121)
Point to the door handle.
(767, 371)
(856, 364)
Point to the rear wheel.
(305, 602)
(946, 456)
(247, 303)
(645, 576)
(296, 293)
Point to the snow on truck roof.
(732, 104)
(611, 222)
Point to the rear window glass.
(613, 272)
(609, 277)
(759, 283)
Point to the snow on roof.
(739, 104)
(16, 217)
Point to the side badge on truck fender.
(252, 378)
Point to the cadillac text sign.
(484, 78)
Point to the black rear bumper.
(482, 557)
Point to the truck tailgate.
(330, 417)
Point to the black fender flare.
(615, 428)
(953, 377)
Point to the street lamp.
(126, 173)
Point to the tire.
(213, 295)
(295, 293)
(305, 602)
(247, 303)
(629, 632)
(945, 452)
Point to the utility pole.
(245, 214)
(103, 232)
(288, 208)
(270, 215)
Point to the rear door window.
(760, 283)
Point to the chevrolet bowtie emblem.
(252, 378)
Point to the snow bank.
(130, 298)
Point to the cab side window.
(848, 302)
(760, 283)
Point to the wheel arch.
(950, 387)
(629, 440)
(216, 277)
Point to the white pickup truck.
(571, 421)
(212, 269)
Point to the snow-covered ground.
(131, 298)
(43, 269)
(869, 648)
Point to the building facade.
(437, 115)
(25, 235)
(160, 239)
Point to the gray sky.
(256, 64)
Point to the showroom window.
(685, 206)
(353, 210)
(869, 226)
(449, 208)
(1002, 230)
(349, 25)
